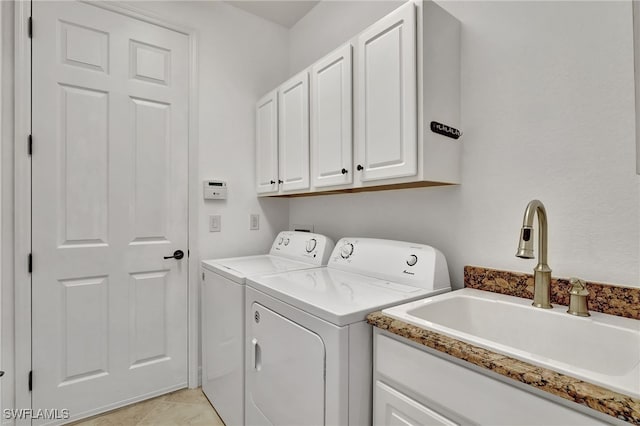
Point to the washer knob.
(412, 260)
(346, 250)
(280, 241)
(286, 241)
(311, 245)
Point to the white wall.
(548, 113)
(329, 24)
(241, 57)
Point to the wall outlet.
(215, 223)
(254, 222)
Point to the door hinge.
(30, 145)
(30, 263)
(30, 381)
(30, 27)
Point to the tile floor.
(183, 407)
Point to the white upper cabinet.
(293, 132)
(380, 112)
(331, 118)
(267, 144)
(386, 96)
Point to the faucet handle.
(578, 299)
(578, 287)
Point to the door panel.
(267, 144)
(331, 117)
(285, 377)
(151, 161)
(84, 47)
(110, 117)
(387, 142)
(83, 167)
(148, 317)
(293, 133)
(86, 328)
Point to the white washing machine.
(223, 315)
(309, 348)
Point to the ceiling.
(285, 13)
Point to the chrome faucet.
(542, 272)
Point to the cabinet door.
(392, 408)
(331, 116)
(386, 127)
(293, 125)
(267, 144)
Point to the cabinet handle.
(279, 181)
(273, 182)
(360, 168)
(345, 171)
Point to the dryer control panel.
(304, 246)
(402, 262)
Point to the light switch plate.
(215, 223)
(254, 222)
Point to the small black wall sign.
(443, 129)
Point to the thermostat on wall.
(214, 190)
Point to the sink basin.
(601, 349)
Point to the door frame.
(22, 195)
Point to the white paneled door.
(110, 163)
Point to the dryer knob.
(286, 241)
(311, 245)
(412, 260)
(346, 250)
(280, 241)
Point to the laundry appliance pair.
(285, 339)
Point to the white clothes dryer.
(309, 347)
(223, 293)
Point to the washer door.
(285, 371)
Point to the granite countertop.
(596, 397)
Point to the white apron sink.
(601, 349)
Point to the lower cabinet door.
(393, 408)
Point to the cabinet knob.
(360, 168)
(272, 182)
(279, 181)
(345, 171)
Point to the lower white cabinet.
(416, 387)
(394, 408)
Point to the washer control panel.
(303, 246)
(402, 262)
(346, 250)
